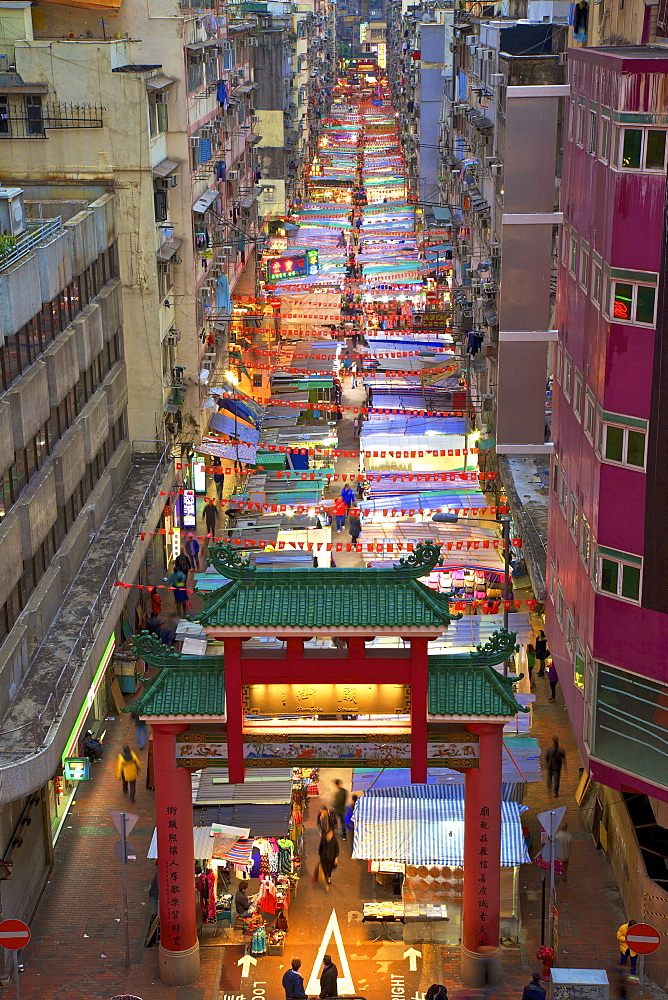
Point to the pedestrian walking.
(182, 564)
(339, 804)
(531, 662)
(555, 759)
(535, 989)
(565, 840)
(542, 652)
(218, 478)
(141, 730)
(178, 582)
(156, 601)
(553, 678)
(348, 495)
(210, 516)
(354, 524)
(293, 982)
(625, 951)
(348, 815)
(192, 551)
(326, 820)
(328, 978)
(340, 511)
(328, 852)
(127, 769)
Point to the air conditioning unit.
(256, 119)
(470, 39)
(487, 404)
(496, 169)
(226, 46)
(172, 338)
(164, 267)
(496, 79)
(194, 141)
(233, 175)
(168, 182)
(160, 97)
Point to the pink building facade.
(607, 607)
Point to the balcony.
(32, 121)
(35, 728)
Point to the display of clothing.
(207, 895)
(259, 941)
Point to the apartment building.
(156, 102)
(79, 501)
(607, 608)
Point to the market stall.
(421, 827)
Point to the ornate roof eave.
(235, 565)
(151, 650)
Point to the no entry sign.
(15, 934)
(641, 938)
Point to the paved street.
(77, 947)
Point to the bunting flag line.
(337, 408)
(491, 607)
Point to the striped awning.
(424, 825)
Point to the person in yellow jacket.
(127, 769)
(625, 951)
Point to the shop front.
(62, 788)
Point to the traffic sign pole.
(16, 974)
(124, 870)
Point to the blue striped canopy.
(424, 825)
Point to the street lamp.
(445, 518)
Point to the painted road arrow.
(245, 964)
(412, 955)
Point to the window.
(584, 266)
(563, 492)
(558, 368)
(160, 203)
(573, 254)
(553, 579)
(4, 115)
(560, 604)
(573, 516)
(157, 112)
(579, 672)
(555, 475)
(211, 73)
(571, 119)
(581, 125)
(591, 144)
(34, 119)
(631, 303)
(596, 282)
(629, 729)
(619, 574)
(642, 149)
(195, 72)
(570, 633)
(585, 540)
(622, 445)
(589, 421)
(604, 140)
(568, 374)
(564, 244)
(578, 395)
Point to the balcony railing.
(25, 243)
(32, 122)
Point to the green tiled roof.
(340, 599)
(184, 691)
(469, 691)
(323, 599)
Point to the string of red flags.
(338, 408)
(490, 607)
(461, 545)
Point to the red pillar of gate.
(234, 710)
(482, 858)
(419, 683)
(179, 946)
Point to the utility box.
(579, 984)
(12, 212)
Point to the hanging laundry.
(474, 342)
(221, 92)
(220, 170)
